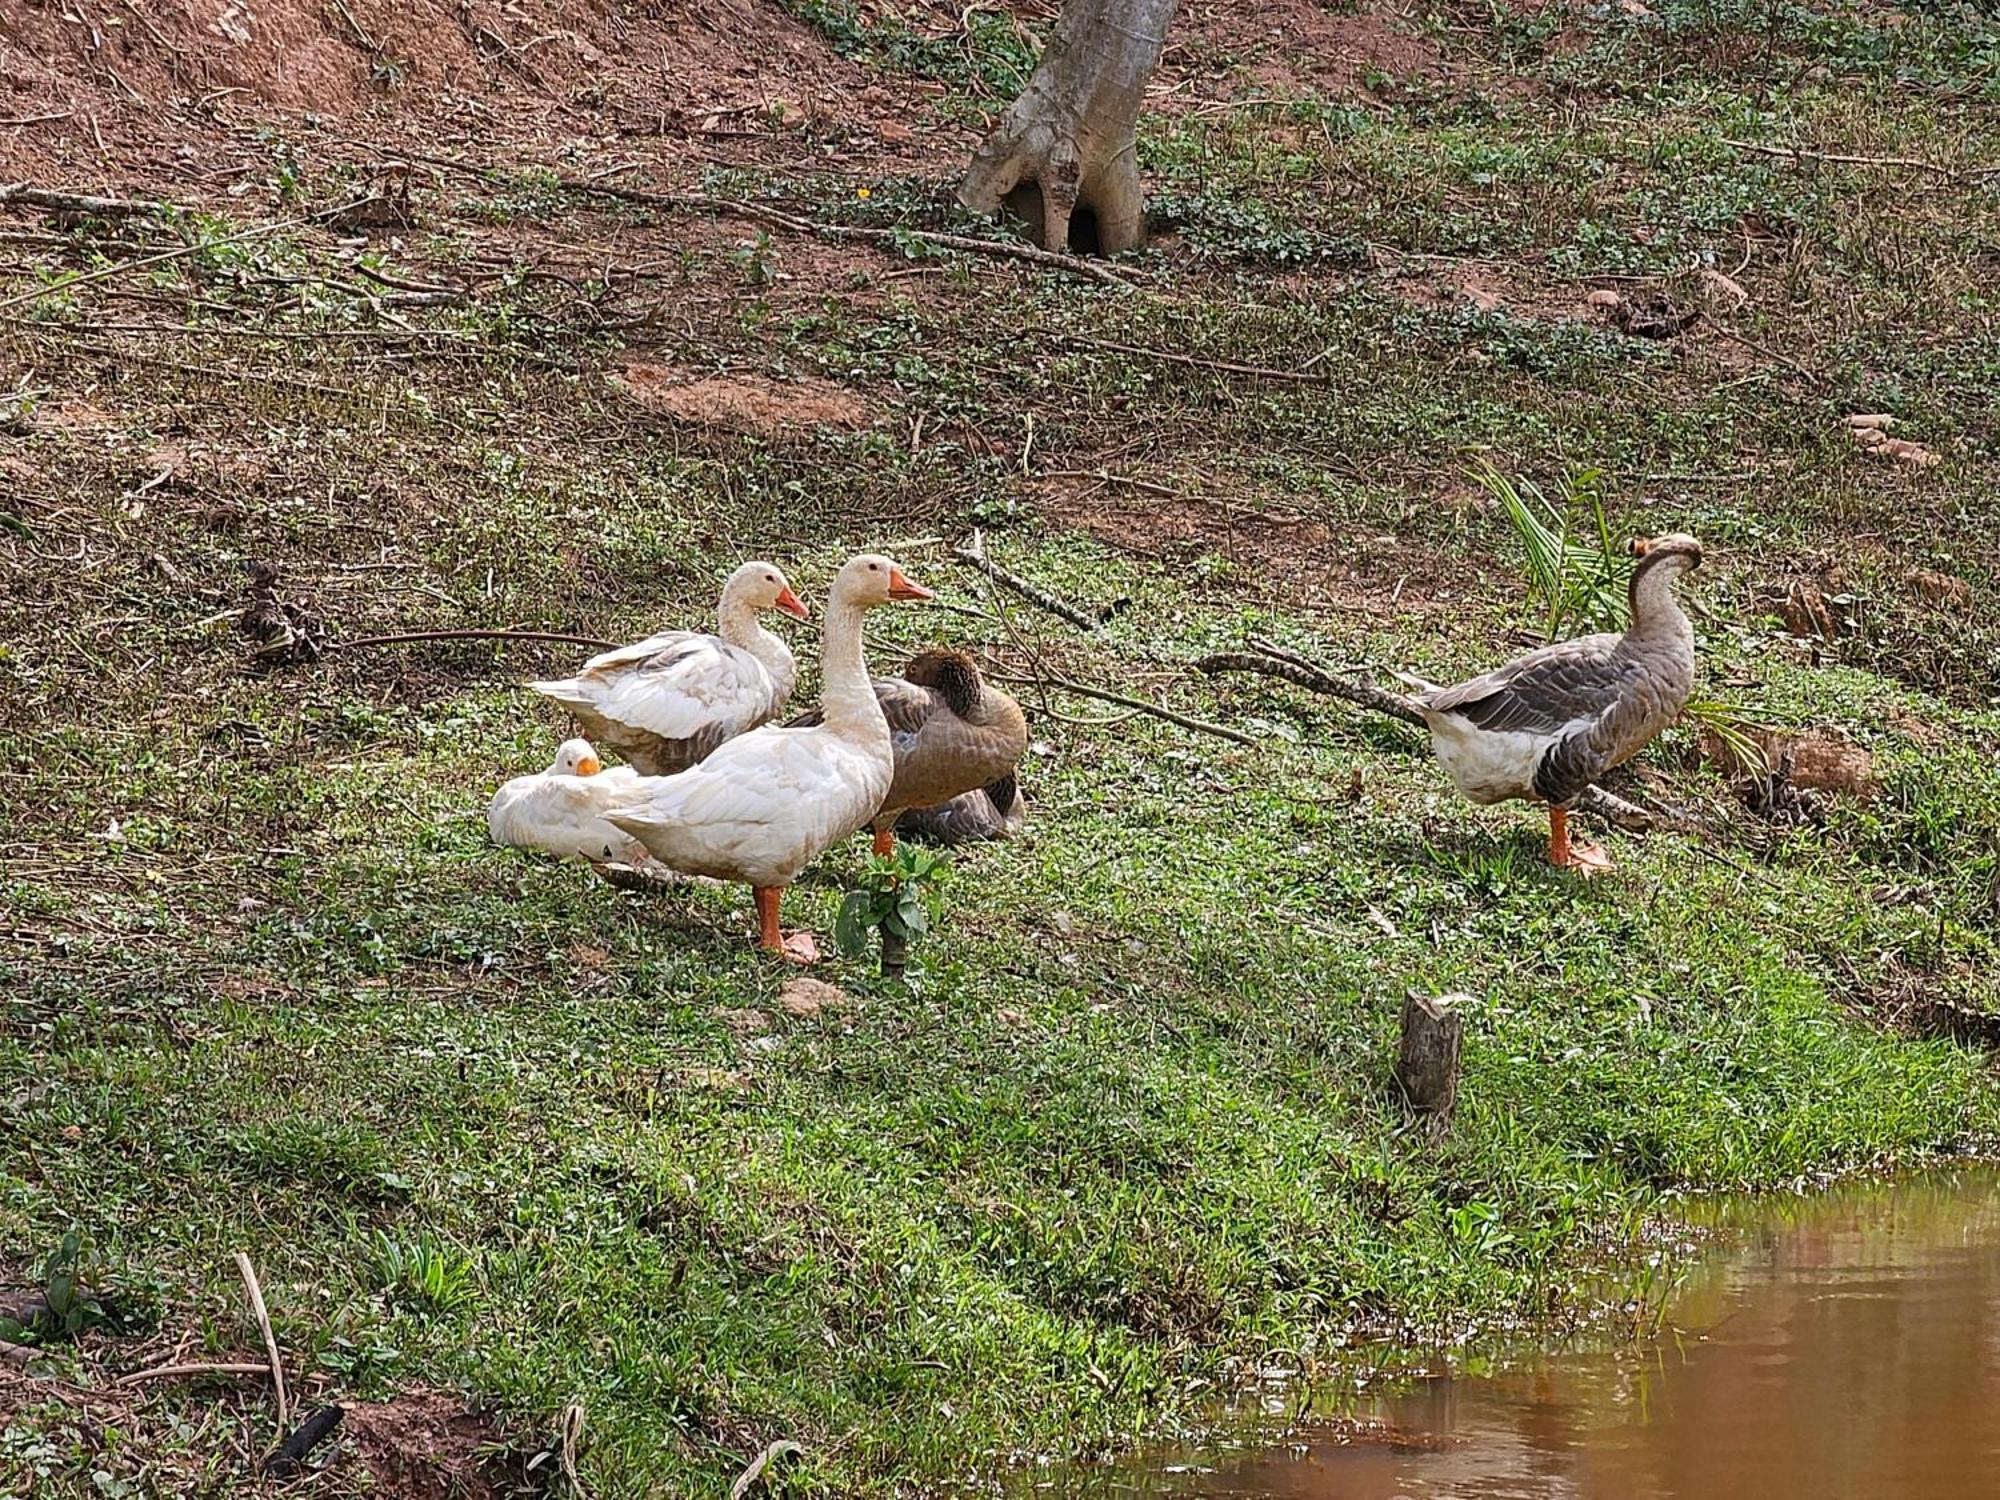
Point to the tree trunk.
(1428, 1066)
(1064, 156)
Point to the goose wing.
(675, 686)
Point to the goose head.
(1676, 552)
(871, 579)
(760, 586)
(576, 758)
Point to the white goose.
(665, 702)
(766, 803)
(561, 810)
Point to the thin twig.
(176, 1372)
(1074, 264)
(256, 1293)
(1105, 476)
(477, 635)
(1756, 348)
(125, 267)
(1793, 153)
(972, 552)
(1186, 721)
(1227, 367)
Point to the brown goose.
(958, 740)
(1547, 725)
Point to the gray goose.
(1548, 724)
(958, 740)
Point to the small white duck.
(667, 701)
(561, 810)
(763, 805)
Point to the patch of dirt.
(1295, 46)
(741, 403)
(425, 1445)
(812, 997)
(1278, 551)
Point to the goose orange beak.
(590, 765)
(792, 604)
(901, 587)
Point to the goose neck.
(847, 696)
(1655, 611)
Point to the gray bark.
(1063, 155)
(1427, 1068)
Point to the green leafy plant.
(64, 1309)
(1576, 575)
(422, 1273)
(898, 895)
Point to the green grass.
(478, 1118)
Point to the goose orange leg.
(799, 948)
(1585, 859)
(885, 841)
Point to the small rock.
(1604, 301)
(810, 997)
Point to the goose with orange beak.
(1548, 724)
(767, 803)
(561, 810)
(665, 702)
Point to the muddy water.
(1848, 1348)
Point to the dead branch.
(1227, 367)
(178, 1372)
(477, 635)
(123, 268)
(80, 203)
(1105, 476)
(1793, 153)
(1271, 660)
(256, 1294)
(1065, 685)
(681, 203)
(972, 552)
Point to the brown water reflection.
(1848, 1349)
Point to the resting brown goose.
(958, 740)
(1550, 723)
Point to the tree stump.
(1064, 155)
(1427, 1066)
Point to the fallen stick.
(178, 1372)
(1793, 153)
(1227, 367)
(682, 202)
(1158, 711)
(1288, 666)
(477, 635)
(972, 552)
(126, 266)
(80, 203)
(256, 1293)
(1105, 476)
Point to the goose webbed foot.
(1566, 853)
